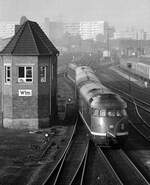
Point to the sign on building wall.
(25, 92)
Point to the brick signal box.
(28, 79)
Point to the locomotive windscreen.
(109, 97)
(113, 99)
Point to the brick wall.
(44, 93)
(19, 111)
(31, 111)
(47, 90)
(54, 86)
(25, 107)
(1, 71)
(7, 90)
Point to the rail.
(45, 179)
(125, 168)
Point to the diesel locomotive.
(102, 111)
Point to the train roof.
(98, 96)
(84, 78)
(72, 66)
(84, 74)
(92, 89)
(93, 92)
(108, 101)
(85, 68)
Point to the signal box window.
(42, 73)
(7, 74)
(25, 74)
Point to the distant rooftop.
(29, 40)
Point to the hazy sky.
(120, 13)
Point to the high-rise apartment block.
(72, 27)
(56, 30)
(90, 29)
(53, 29)
(86, 29)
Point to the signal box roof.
(29, 40)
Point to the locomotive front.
(109, 119)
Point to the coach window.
(25, 74)
(111, 113)
(124, 113)
(7, 74)
(102, 113)
(42, 73)
(118, 113)
(96, 112)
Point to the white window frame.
(24, 79)
(43, 79)
(7, 79)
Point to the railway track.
(123, 86)
(137, 147)
(140, 103)
(139, 123)
(78, 179)
(98, 169)
(85, 173)
(73, 159)
(46, 172)
(109, 167)
(65, 172)
(124, 167)
(95, 169)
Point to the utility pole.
(108, 40)
(141, 44)
(129, 65)
(137, 44)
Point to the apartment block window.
(25, 74)
(42, 73)
(7, 74)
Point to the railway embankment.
(129, 76)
